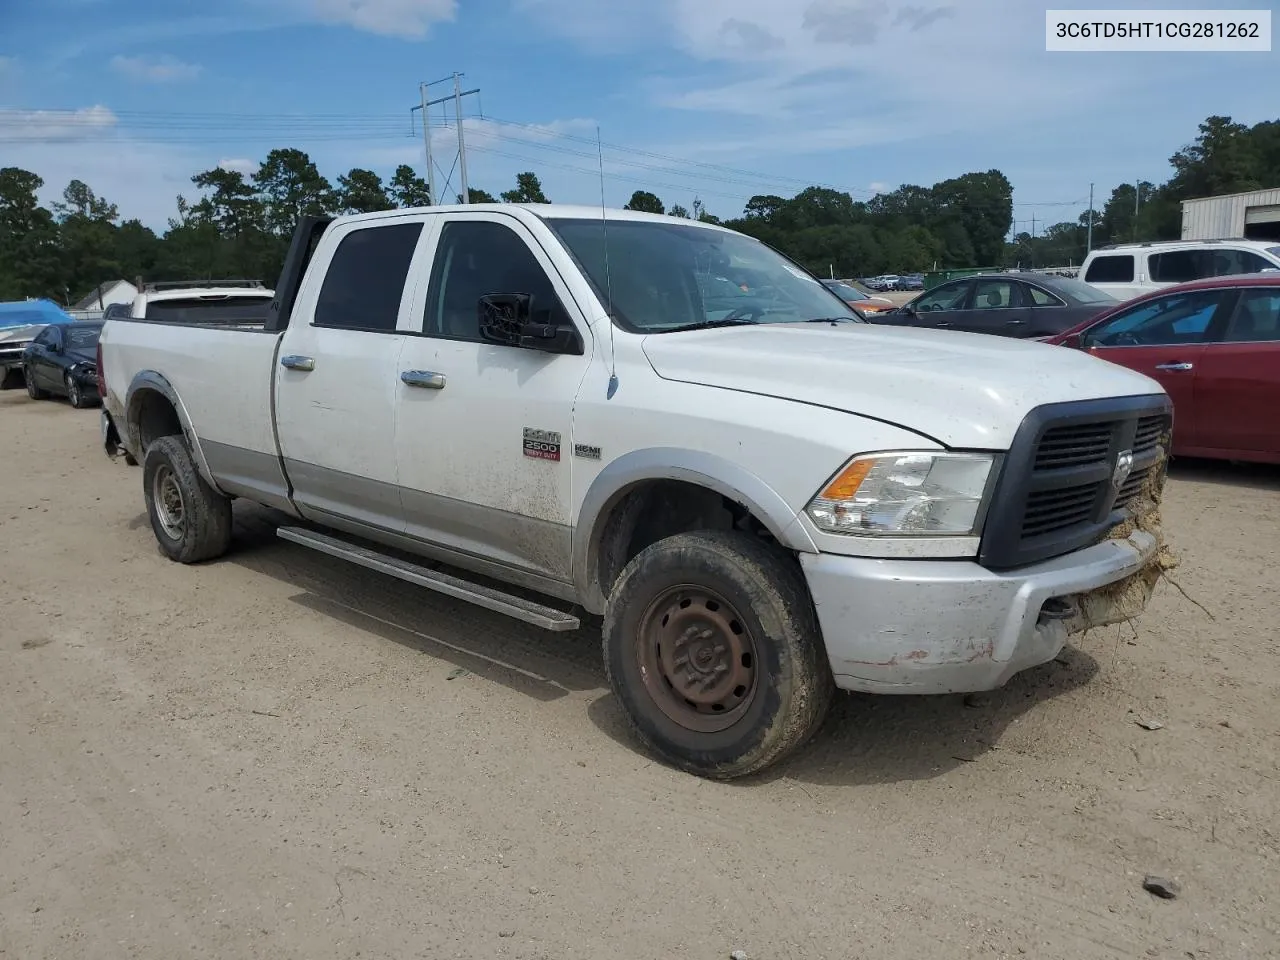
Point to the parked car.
(225, 302)
(763, 503)
(62, 360)
(1128, 270)
(914, 281)
(863, 304)
(1024, 306)
(20, 322)
(1214, 345)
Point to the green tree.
(361, 191)
(292, 187)
(30, 254)
(87, 239)
(407, 189)
(528, 190)
(646, 202)
(477, 195)
(678, 211)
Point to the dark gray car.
(1005, 304)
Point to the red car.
(1215, 347)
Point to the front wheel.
(712, 645)
(75, 393)
(191, 520)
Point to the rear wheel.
(191, 520)
(33, 391)
(712, 646)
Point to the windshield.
(665, 276)
(217, 310)
(1274, 251)
(81, 337)
(1080, 291)
(846, 292)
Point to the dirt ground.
(280, 756)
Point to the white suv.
(1129, 270)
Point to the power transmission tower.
(425, 106)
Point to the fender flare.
(150, 380)
(707, 470)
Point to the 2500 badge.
(541, 444)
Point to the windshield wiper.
(709, 324)
(833, 320)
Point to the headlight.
(906, 495)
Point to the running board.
(547, 618)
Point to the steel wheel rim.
(167, 497)
(697, 658)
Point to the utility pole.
(425, 106)
(426, 142)
(1033, 226)
(1089, 243)
(462, 144)
(1137, 198)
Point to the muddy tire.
(33, 391)
(712, 646)
(191, 520)
(75, 393)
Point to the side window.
(1230, 262)
(1113, 268)
(993, 295)
(1180, 266)
(1177, 320)
(475, 258)
(1041, 298)
(1257, 318)
(365, 280)
(949, 296)
(45, 337)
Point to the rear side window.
(216, 309)
(1113, 268)
(1041, 298)
(365, 279)
(1179, 266)
(1257, 318)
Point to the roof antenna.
(608, 279)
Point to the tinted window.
(993, 295)
(1116, 268)
(46, 336)
(949, 296)
(1179, 266)
(477, 258)
(365, 280)
(1167, 321)
(1239, 261)
(214, 309)
(1257, 318)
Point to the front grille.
(1058, 491)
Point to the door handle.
(423, 378)
(1174, 366)
(1016, 320)
(295, 362)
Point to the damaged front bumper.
(923, 626)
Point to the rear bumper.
(927, 627)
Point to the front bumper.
(946, 626)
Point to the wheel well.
(154, 417)
(656, 509)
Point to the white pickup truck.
(668, 424)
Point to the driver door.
(943, 307)
(1165, 339)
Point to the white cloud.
(44, 126)
(162, 69)
(239, 165)
(396, 18)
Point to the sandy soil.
(279, 756)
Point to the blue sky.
(717, 99)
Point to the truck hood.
(963, 390)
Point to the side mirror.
(506, 318)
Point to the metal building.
(1255, 215)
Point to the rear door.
(336, 379)
(1237, 386)
(1165, 339)
(40, 357)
